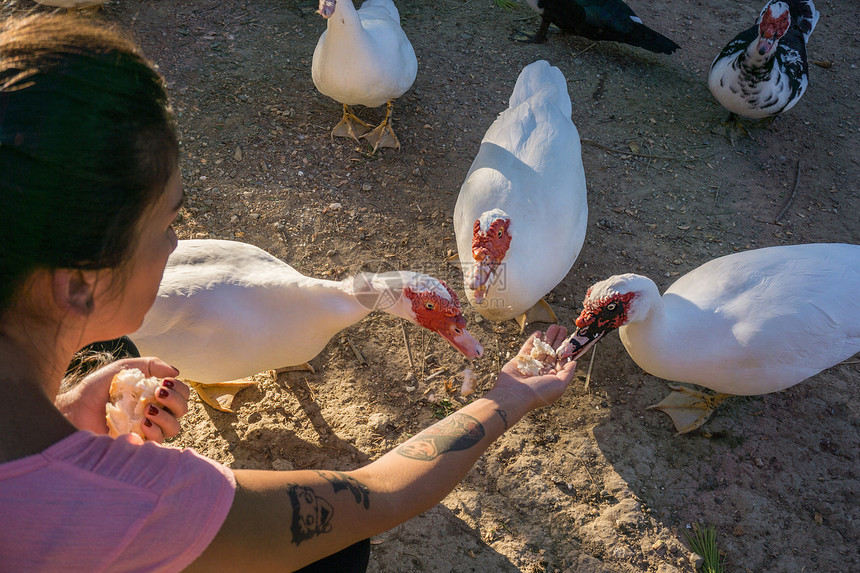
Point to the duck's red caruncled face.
(606, 313)
(488, 249)
(444, 317)
(773, 26)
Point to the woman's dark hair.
(87, 145)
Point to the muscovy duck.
(611, 20)
(763, 71)
(228, 310)
(363, 58)
(748, 323)
(521, 214)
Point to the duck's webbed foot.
(350, 125)
(220, 395)
(540, 312)
(689, 408)
(383, 134)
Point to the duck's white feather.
(529, 166)
(227, 310)
(750, 323)
(364, 56)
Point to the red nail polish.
(148, 423)
(163, 393)
(152, 410)
(168, 383)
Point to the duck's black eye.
(612, 306)
(429, 305)
(501, 232)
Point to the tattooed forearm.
(456, 432)
(340, 481)
(311, 514)
(504, 416)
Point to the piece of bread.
(131, 393)
(529, 365)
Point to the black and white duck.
(763, 71)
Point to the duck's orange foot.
(350, 125)
(688, 408)
(220, 395)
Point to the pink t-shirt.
(93, 503)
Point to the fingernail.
(148, 423)
(152, 411)
(163, 393)
(168, 383)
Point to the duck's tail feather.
(642, 36)
(540, 76)
(807, 17)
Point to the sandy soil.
(595, 482)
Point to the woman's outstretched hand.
(543, 389)
(84, 405)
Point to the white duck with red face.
(228, 310)
(521, 214)
(749, 323)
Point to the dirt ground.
(595, 482)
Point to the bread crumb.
(540, 347)
(528, 366)
(470, 382)
(131, 392)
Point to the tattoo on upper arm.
(340, 481)
(456, 432)
(311, 513)
(504, 416)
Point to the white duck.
(227, 309)
(521, 214)
(745, 324)
(363, 58)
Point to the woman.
(89, 189)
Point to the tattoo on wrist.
(311, 513)
(340, 481)
(504, 416)
(456, 432)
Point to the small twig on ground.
(758, 220)
(423, 352)
(623, 152)
(585, 465)
(584, 50)
(590, 366)
(310, 390)
(675, 242)
(408, 349)
(357, 352)
(790, 197)
(435, 374)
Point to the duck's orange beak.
(462, 340)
